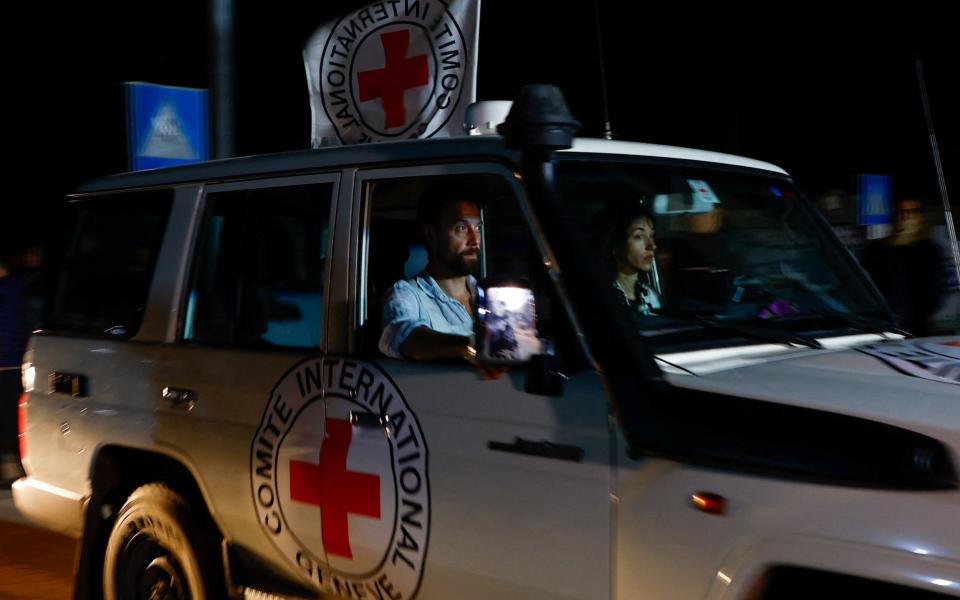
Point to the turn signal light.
(712, 504)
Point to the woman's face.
(637, 253)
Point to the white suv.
(206, 407)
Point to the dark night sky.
(821, 95)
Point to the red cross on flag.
(393, 70)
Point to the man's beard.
(465, 263)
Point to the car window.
(396, 251)
(103, 272)
(258, 275)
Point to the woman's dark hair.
(610, 228)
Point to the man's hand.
(424, 343)
(488, 372)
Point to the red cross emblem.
(398, 75)
(334, 489)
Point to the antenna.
(948, 215)
(607, 130)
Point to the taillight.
(22, 425)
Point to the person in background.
(13, 339)
(906, 269)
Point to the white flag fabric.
(392, 70)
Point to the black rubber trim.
(542, 449)
(780, 440)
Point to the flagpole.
(947, 212)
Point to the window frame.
(359, 239)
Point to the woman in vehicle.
(627, 251)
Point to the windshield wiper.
(765, 334)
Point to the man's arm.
(424, 343)
(406, 333)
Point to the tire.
(157, 551)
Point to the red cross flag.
(392, 70)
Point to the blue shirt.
(419, 302)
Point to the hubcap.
(161, 581)
(148, 571)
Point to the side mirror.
(506, 333)
(543, 378)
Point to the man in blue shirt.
(430, 316)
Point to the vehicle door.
(252, 305)
(450, 484)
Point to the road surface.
(34, 564)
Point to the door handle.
(367, 420)
(543, 449)
(70, 384)
(179, 398)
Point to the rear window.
(103, 270)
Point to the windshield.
(712, 248)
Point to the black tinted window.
(259, 273)
(103, 276)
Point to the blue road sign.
(875, 202)
(166, 125)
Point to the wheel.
(157, 551)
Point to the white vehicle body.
(455, 516)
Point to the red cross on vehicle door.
(335, 489)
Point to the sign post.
(166, 125)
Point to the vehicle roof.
(594, 146)
(384, 153)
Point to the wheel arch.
(775, 567)
(115, 472)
